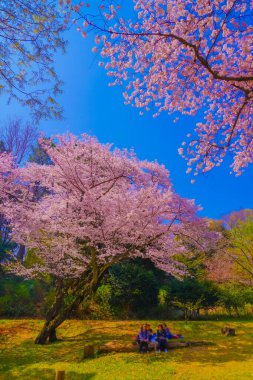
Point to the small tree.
(192, 295)
(17, 138)
(101, 207)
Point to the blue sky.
(93, 107)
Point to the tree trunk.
(48, 332)
(43, 335)
(52, 335)
(79, 290)
(61, 310)
(55, 316)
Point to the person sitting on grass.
(169, 334)
(162, 339)
(143, 338)
(152, 338)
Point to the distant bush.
(100, 307)
(22, 298)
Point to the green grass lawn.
(227, 358)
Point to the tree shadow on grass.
(18, 358)
(231, 349)
(216, 354)
(220, 349)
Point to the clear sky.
(93, 107)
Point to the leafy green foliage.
(233, 260)
(235, 297)
(18, 298)
(100, 306)
(135, 287)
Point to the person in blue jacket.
(169, 334)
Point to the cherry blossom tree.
(17, 138)
(184, 56)
(99, 207)
(30, 35)
(6, 180)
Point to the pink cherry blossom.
(96, 204)
(186, 56)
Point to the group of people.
(146, 337)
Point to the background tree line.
(133, 290)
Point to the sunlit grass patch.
(228, 358)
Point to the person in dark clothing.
(143, 338)
(162, 339)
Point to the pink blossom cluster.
(186, 56)
(98, 205)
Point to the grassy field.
(228, 358)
